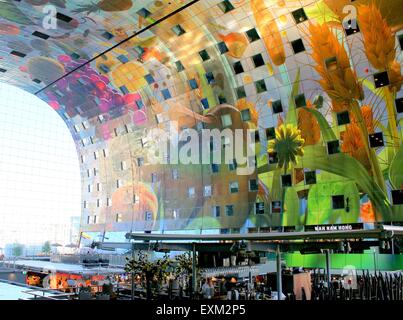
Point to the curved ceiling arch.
(192, 68)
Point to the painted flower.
(288, 144)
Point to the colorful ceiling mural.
(318, 81)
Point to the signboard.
(335, 227)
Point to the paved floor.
(12, 292)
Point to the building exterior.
(323, 106)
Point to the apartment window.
(99, 186)
(191, 192)
(153, 177)
(245, 115)
(210, 77)
(207, 191)
(82, 159)
(253, 186)
(226, 120)
(179, 66)
(85, 204)
(193, 84)
(148, 216)
(118, 183)
(277, 106)
(252, 35)
(88, 173)
(123, 165)
(175, 174)
(96, 155)
(310, 177)
(216, 211)
(222, 47)
(88, 220)
(140, 162)
(76, 128)
(178, 30)
(229, 210)
(143, 12)
(109, 202)
(95, 172)
(260, 86)
(105, 152)
(338, 202)
(226, 6)
(95, 219)
(90, 188)
(99, 203)
(215, 168)
(259, 208)
(238, 68)
(204, 55)
(118, 217)
(240, 92)
(234, 187)
(136, 199)
(232, 166)
(258, 60)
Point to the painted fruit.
(45, 69)
(9, 29)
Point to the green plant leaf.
(326, 130)
(291, 117)
(395, 169)
(291, 208)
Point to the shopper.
(233, 294)
(208, 289)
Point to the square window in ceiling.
(75, 56)
(260, 86)
(351, 27)
(297, 46)
(338, 202)
(252, 35)
(123, 59)
(204, 103)
(286, 180)
(270, 133)
(258, 60)
(178, 30)
(343, 118)
(3, 70)
(238, 67)
(226, 6)
(210, 78)
(204, 55)
(193, 84)
(179, 66)
(381, 79)
(333, 147)
(397, 197)
(63, 17)
(104, 68)
(376, 140)
(277, 106)
(240, 92)
(107, 35)
(226, 120)
(310, 177)
(149, 78)
(40, 35)
(245, 115)
(124, 90)
(18, 54)
(143, 12)
(166, 94)
(222, 47)
(300, 101)
(299, 15)
(37, 81)
(399, 105)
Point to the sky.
(40, 184)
